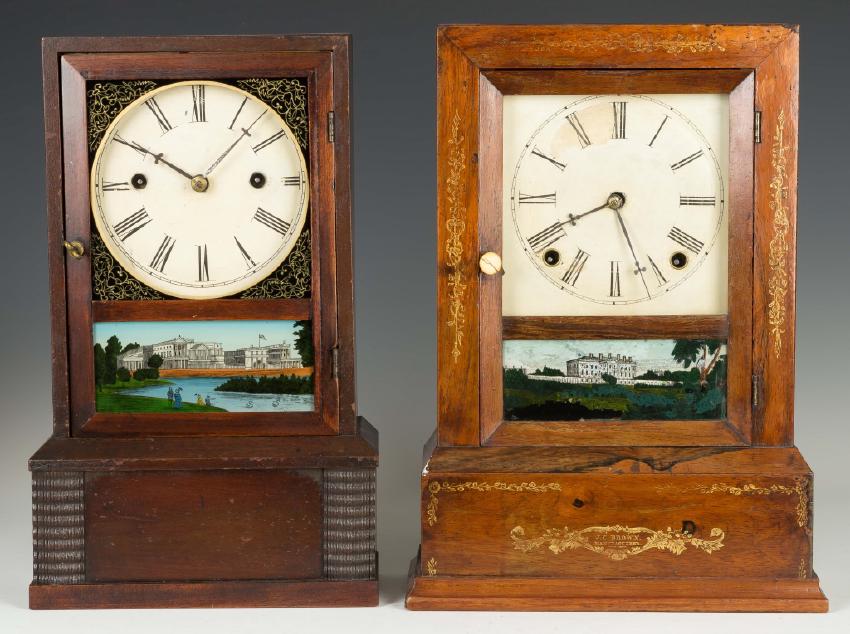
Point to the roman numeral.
(658, 131)
(238, 112)
(157, 112)
(249, 261)
(199, 105)
(576, 267)
(685, 240)
(579, 129)
(271, 221)
(269, 141)
(132, 145)
(203, 264)
(707, 201)
(162, 254)
(537, 199)
(619, 120)
(688, 159)
(614, 288)
(115, 187)
(294, 181)
(659, 276)
(131, 224)
(557, 164)
(547, 237)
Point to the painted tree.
(154, 363)
(304, 341)
(112, 350)
(99, 365)
(696, 352)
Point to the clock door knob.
(490, 263)
(75, 248)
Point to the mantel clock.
(206, 448)
(617, 213)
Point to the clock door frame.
(754, 65)
(323, 62)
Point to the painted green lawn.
(108, 399)
(111, 402)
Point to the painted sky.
(231, 334)
(531, 355)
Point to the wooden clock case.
(227, 510)
(645, 515)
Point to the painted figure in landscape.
(614, 379)
(259, 366)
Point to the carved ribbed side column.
(349, 524)
(58, 528)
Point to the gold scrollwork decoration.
(777, 286)
(431, 567)
(800, 489)
(435, 488)
(106, 100)
(803, 569)
(455, 227)
(640, 43)
(616, 542)
(288, 97)
(110, 280)
(291, 279)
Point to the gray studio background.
(393, 106)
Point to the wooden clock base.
(626, 528)
(205, 522)
(212, 594)
(552, 594)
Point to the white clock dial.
(616, 201)
(199, 189)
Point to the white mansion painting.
(203, 366)
(630, 379)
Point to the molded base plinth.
(549, 594)
(214, 594)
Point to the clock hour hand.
(157, 158)
(638, 267)
(245, 132)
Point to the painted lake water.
(231, 401)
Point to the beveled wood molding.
(476, 61)
(616, 45)
(68, 63)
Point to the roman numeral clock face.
(615, 205)
(199, 189)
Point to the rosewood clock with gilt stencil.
(617, 214)
(206, 448)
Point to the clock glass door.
(616, 296)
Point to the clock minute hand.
(158, 158)
(632, 249)
(245, 132)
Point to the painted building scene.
(204, 366)
(614, 379)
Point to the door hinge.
(335, 362)
(757, 127)
(756, 390)
(331, 126)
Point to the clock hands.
(245, 132)
(638, 268)
(157, 158)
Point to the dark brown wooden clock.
(617, 213)
(206, 448)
